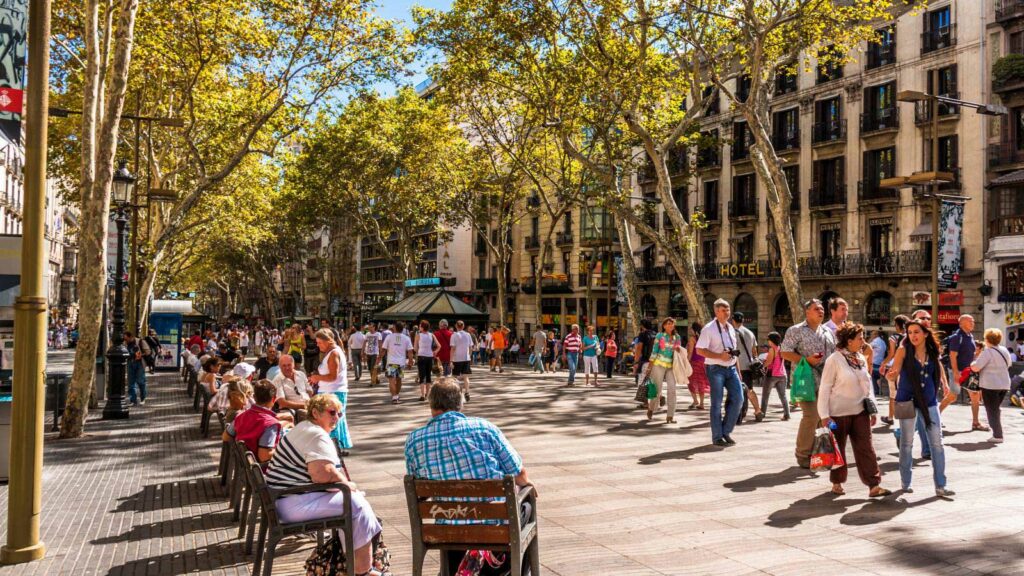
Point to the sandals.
(650, 415)
(979, 426)
(879, 492)
(670, 420)
(838, 491)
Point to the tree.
(759, 40)
(383, 164)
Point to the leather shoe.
(721, 442)
(729, 439)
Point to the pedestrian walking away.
(356, 343)
(444, 352)
(371, 350)
(751, 369)
(993, 373)
(398, 353)
(540, 345)
(136, 369)
(462, 354)
(717, 343)
(809, 340)
(426, 346)
(846, 405)
(775, 375)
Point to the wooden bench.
(431, 500)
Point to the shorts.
(393, 371)
(461, 368)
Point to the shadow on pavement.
(770, 479)
(819, 506)
(972, 446)
(687, 454)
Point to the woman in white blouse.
(846, 399)
(993, 368)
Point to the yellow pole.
(25, 489)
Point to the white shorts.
(590, 365)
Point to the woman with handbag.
(666, 344)
(775, 375)
(846, 400)
(920, 385)
(990, 373)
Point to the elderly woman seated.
(258, 427)
(308, 455)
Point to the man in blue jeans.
(718, 344)
(136, 370)
(571, 347)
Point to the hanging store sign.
(949, 316)
(950, 236)
(951, 298)
(922, 298)
(13, 44)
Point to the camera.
(734, 353)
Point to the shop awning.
(1016, 177)
(923, 232)
(432, 305)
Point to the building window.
(786, 129)
(829, 185)
(949, 159)
(567, 224)
(880, 237)
(830, 247)
(707, 156)
(679, 198)
(878, 165)
(879, 306)
(947, 87)
(535, 226)
(710, 207)
(1016, 42)
(678, 308)
(793, 179)
(744, 196)
(1012, 280)
(880, 110)
(743, 87)
(938, 30)
(746, 304)
(1007, 212)
(785, 81)
(745, 247)
(829, 68)
(711, 93)
(649, 306)
(882, 52)
(828, 120)
(742, 140)
(709, 250)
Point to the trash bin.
(57, 396)
(5, 435)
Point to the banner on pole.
(13, 46)
(620, 289)
(951, 226)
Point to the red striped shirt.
(572, 343)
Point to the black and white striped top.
(306, 443)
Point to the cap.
(243, 369)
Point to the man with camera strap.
(718, 344)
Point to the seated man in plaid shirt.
(453, 446)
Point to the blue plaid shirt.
(453, 446)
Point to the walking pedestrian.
(540, 344)
(426, 346)
(698, 384)
(961, 354)
(152, 350)
(136, 369)
(775, 376)
(747, 346)
(462, 350)
(717, 343)
(311, 350)
(879, 351)
(444, 353)
(549, 352)
(331, 377)
(243, 342)
(398, 352)
(371, 350)
(356, 343)
(993, 369)
(611, 353)
(846, 400)
(899, 324)
(921, 384)
(571, 346)
(809, 340)
(838, 311)
(499, 342)
(642, 347)
(591, 351)
(667, 344)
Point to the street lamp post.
(117, 353)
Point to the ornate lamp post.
(117, 353)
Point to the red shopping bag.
(825, 454)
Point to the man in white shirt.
(355, 351)
(462, 350)
(717, 343)
(839, 311)
(293, 389)
(399, 353)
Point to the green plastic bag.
(802, 389)
(652, 389)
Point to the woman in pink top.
(775, 375)
(698, 385)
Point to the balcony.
(938, 39)
(597, 228)
(787, 140)
(1006, 73)
(1006, 226)
(549, 284)
(870, 193)
(709, 158)
(879, 120)
(1005, 155)
(863, 265)
(743, 209)
(531, 242)
(741, 147)
(827, 197)
(828, 132)
(596, 281)
(656, 274)
(486, 284)
(880, 55)
(923, 110)
(1007, 10)
(710, 212)
(563, 239)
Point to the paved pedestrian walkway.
(618, 495)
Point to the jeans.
(724, 379)
(571, 358)
(993, 399)
(926, 451)
(136, 380)
(357, 362)
(779, 384)
(875, 378)
(538, 361)
(934, 434)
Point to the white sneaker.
(995, 440)
(944, 492)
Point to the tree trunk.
(768, 166)
(628, 276)
(99, 139)
(502, 261)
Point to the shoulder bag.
(756, 366)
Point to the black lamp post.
(117, 353)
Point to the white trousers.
(314, 505)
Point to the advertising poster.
(13, 45)
(951, 226)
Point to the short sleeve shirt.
(306, 443)
(453, 446)
(371, 345)
(293, 389)
(356, 340)
(540, 340)
(718, 338)
(744, 337)
(398, 346)
(963, 344)
(804, 341)
(461, 344)
(590, 344)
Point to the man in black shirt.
(265, 363)
(642, 348)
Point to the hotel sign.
(741, 270)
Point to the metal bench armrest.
(526, 492)
(308, 488)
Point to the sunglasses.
(333, 413)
